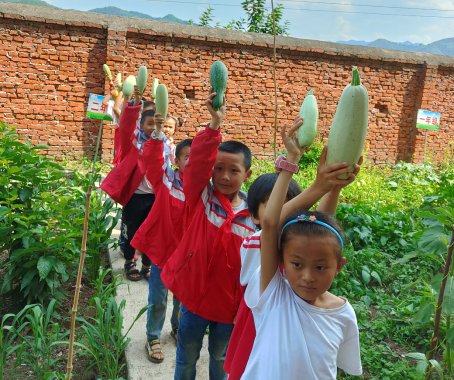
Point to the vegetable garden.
(399, 221)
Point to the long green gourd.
(118, 80)
(349, 127)
(218, 80)
(107, 71)
(162, 100)
(154, 86)
(142, 78)
(128, 86)
(309, 113)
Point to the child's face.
(229, 173)
(169, 127)
(148, 125)
(182, 159)
(258, 219)
(311, 263)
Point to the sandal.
(145, 272)
(131, 272)
(154, 352)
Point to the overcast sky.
(327, 20)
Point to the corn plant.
(105, 341)
(41, 341)
(10, 329)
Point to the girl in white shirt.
(302, 330)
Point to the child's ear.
(248, 174)
(341, 263)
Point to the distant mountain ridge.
(114, 11)
(444, 46)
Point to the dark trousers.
(134, 214)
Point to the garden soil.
(139, 367)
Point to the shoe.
(154, 352)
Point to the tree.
(206, 17)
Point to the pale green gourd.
(118, 80)
(154, 85)
(142, 78)
(218, 80)
(128, 86)
(349, 127)
(107, 71)
(162, 100)
(309, 113)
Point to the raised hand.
(290, 140)
(217, 117)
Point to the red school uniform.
(203, 272)
(123, 180)
(161, 231)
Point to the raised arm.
(204, 150)
(269, 254)
(326, 186)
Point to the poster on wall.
(428, 120)
(97, 110)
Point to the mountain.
(444, 47)
(29, 2)
(114, 11)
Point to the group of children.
(251, 269)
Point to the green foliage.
(41, 218)
(206, 17)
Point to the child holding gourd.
(302, 330)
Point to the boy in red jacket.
(160, 233)
(203, 271)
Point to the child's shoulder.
(330, 301)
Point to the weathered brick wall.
(52, 60)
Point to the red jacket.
(161, 231)
(123, 180)
(203, 272)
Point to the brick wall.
(52, 59)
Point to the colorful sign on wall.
(97, 110)
(428, 120)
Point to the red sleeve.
(126, 128)
(153, 160)
(199, 169)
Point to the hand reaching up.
(217, 117)
(290, 140)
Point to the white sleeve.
(250, 258)
(258, 303)
(349, 355)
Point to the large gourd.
(162, 100)
(349, 127)
(128, 86)
(142, 78)
(218, 80)
(309, 113)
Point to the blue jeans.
(190, 337)
(157, 300)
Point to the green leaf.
(434, 240)
(365, 275)
(450, 338)
(25, 194)
(424, 314)
(417, 356)
(376, 277)
(437, 367)
(44, 266)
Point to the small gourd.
(218, 80)
(309, 113)
(118, 80)
(349, 127)
(142, 78)
(128, 86)
(162, 100)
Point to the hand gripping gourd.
(309, 113)
(162, 100)
(142, 78)
(128, 86)
(349, 127)
(218, 80)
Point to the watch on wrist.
(282, 164)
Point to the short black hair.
(148, 103)
(181, 145)
(260, 190)
(148, 113)
(310, 229)
(237, 147)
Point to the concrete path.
(136, 295)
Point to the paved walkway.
(139, 368)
